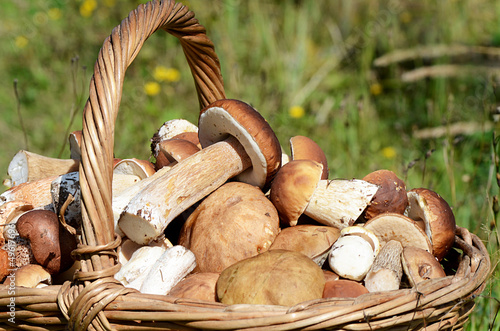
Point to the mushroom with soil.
(237, 142)
(298, 189)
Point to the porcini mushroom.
(31, 276)
(386, 271)
(175, 150)
(28, 166)
(235, 222)
(167, 131)
(343, 288)
(438, 218)
(392, 226)
(298, 189)
(391, 196)
(420, 265)
(353, 253)
(133, 166)
(314, 241)
(233, 134)
(50, 242)
(304, 148)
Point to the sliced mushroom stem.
(339, 202)
(156, 205)
(386, 271)
(27, 166)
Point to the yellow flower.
(375, 89)
(389, 152)
(405, 17)
(109, 3)
(88, 7)
(55, 14)
(152, 88)
(21, 42)
(296, 111)
(162, 74)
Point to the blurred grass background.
(407, 86)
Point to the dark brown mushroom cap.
(304, 148)
(292, 188)
(50, 242)
(227, 117)
(420, 265)
(391, 196)
(176, 150)
(343, 288)
(440, 226)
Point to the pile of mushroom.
(224, 214)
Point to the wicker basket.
(95, 300)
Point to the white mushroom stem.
(387, 270)
(175, 264)
(27, 166)
(351, 257)
(339, 203)
(167, 196)
(133, 273)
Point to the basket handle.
(99, 115)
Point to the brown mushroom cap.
(293, 187)
(343, 288)
(199, 286)
(304, 148)
(392, 226)
(192, 137)
(420, 265)
(314, 241)
(275, 277)
(438, 218)
(391, 196)
(50, 242)
(176, 150)
(235, 222)
(225, 118)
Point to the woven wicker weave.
(95, 300)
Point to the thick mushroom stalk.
(298, 189)
(237, 141)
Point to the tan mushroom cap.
(199, 286)
(32, 276)
(235, 222)
(304, 148)
(225, 118)
(391, 196)
(343, 288)
(314, 241)
(392, 226)
(438, 218)
(133, 166)
(292, 188)
(420, 265)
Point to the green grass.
(276, 54)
